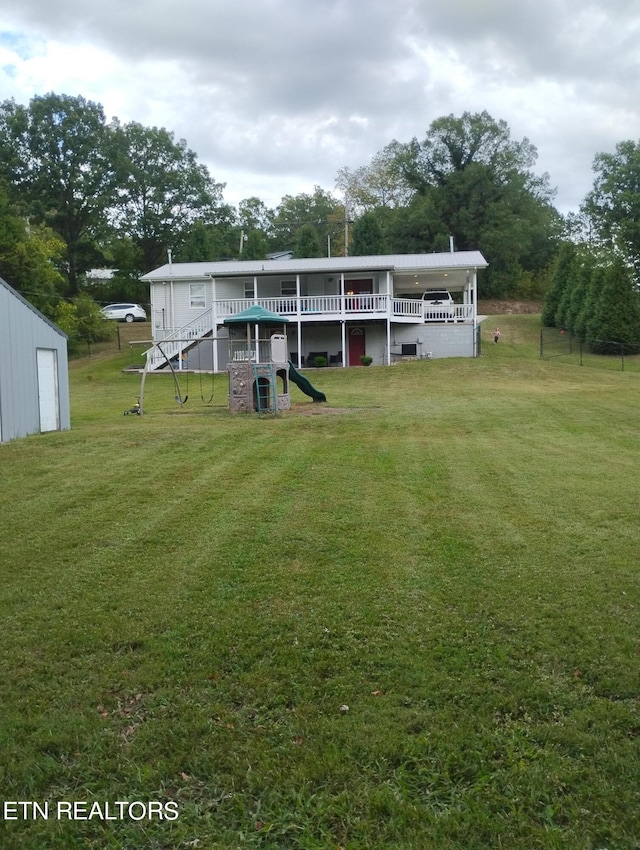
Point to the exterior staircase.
(174, 344)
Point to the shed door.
(48, 389)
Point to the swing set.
(180, 398)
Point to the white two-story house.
(337, 307)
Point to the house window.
(197, 295)
(249, 289)
(288, 287)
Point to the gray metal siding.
(22, 331)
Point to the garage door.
(48, 389)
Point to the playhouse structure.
(258, 362)
(259, 366)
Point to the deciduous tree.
(29, 258)
(320, 211)
(480, 189)
(307, 243)
(60, 161)
(162, 191)
(614, 203)
(367, 236)
(382, 183)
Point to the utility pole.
(346, 226)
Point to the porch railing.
(421, 312)
(407, 307)
(175, 343)
(333, 305)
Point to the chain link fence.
(557, 344)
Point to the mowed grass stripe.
(189, 597)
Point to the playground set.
(259, 366)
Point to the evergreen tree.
(586, 309)
(569, 295)
(616, 313)
(564, 263)
(577, 292)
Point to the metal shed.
(34, 375)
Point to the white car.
(438, 306)
(125, 312)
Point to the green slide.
(305, 385)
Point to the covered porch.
(191, 301)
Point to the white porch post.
(214, 324)
(343, 325)
(388, 341)
(298, 320)
(389, 314)
(300, 341)
(171, 308)
(475, 292)
(173, 323)
(474, 311)
(255, 289)
(342, 308)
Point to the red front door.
(356, 346)
(357, 287)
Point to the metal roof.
(327, 265)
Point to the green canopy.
(255, 315)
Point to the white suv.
(438, 306)
(125, 312)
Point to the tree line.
(78, 192)
(595, 291)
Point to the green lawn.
(188, 600)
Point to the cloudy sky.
(274, 96)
